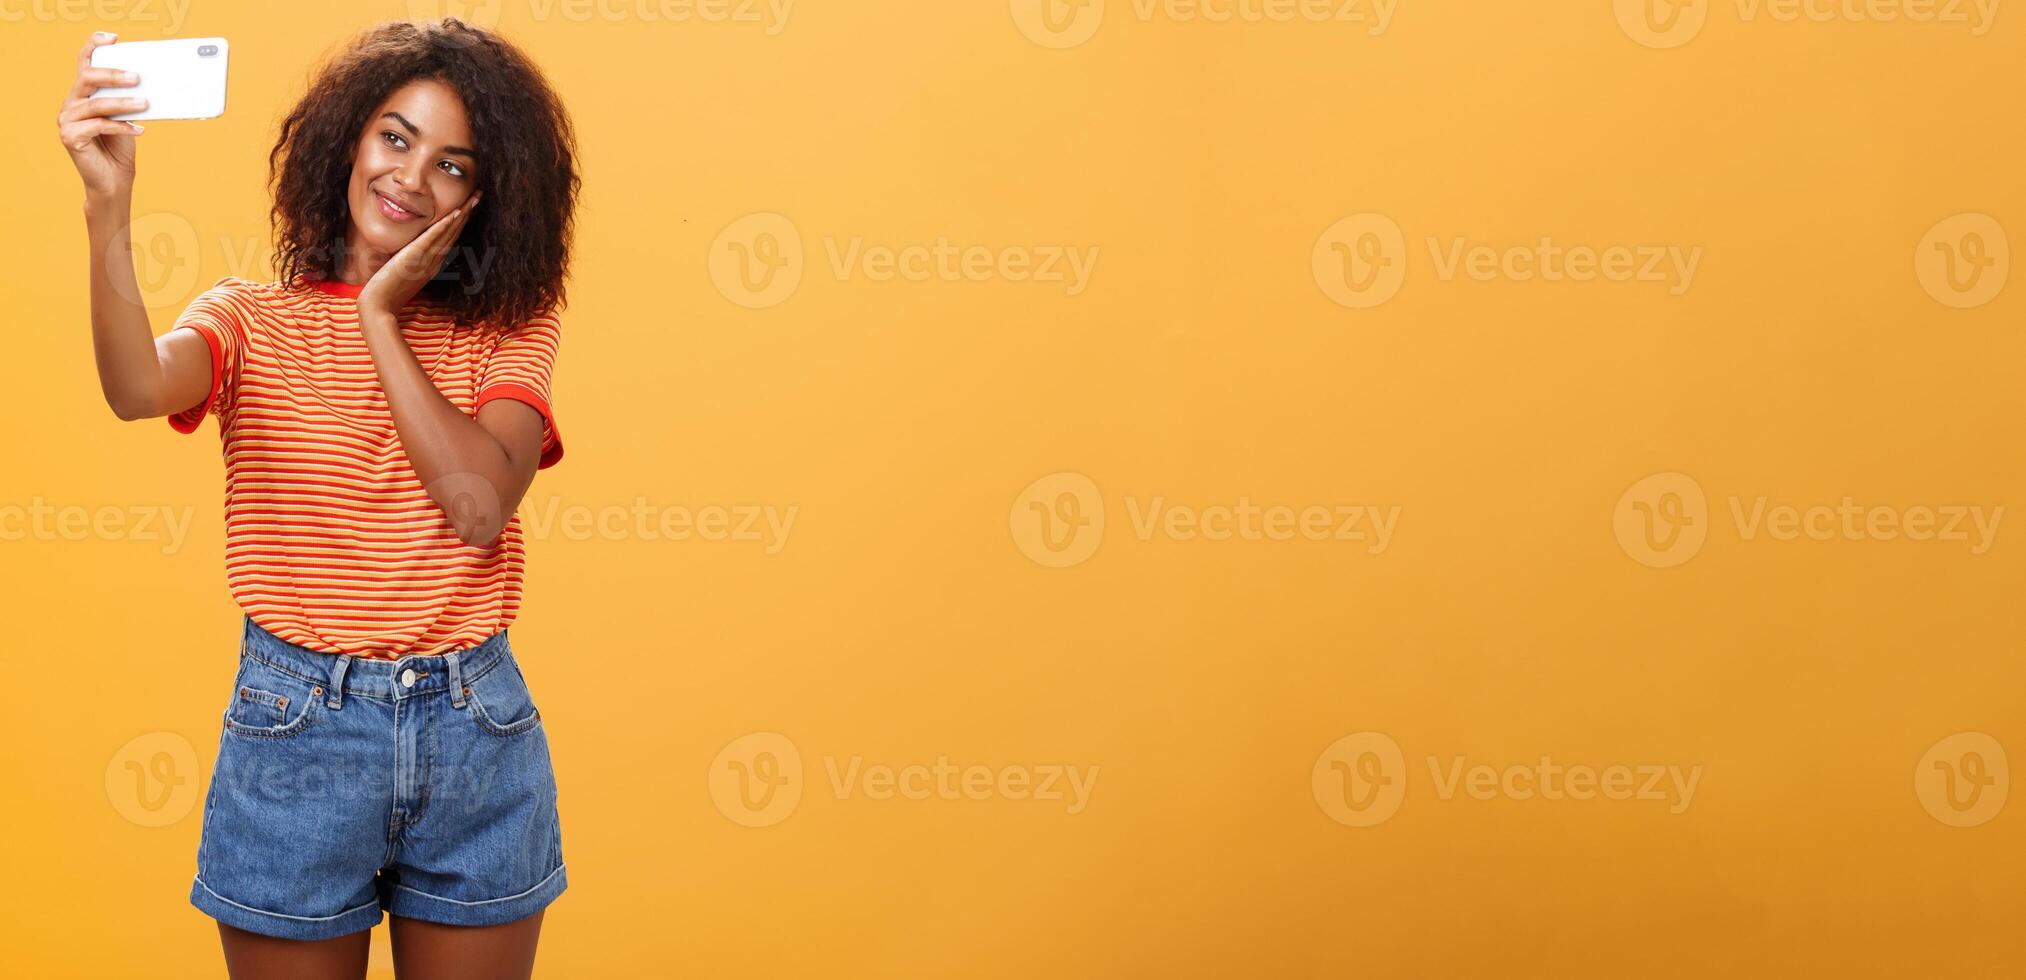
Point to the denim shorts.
(344, 787)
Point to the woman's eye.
(395, 138)
(453, 169)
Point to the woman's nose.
(409, 175)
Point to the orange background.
(1511, 616)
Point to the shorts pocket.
(268, 702)
(500, 702)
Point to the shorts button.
(408, 677)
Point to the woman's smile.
(393, 210)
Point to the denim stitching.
(537, 887)
(290, 730)
(352, 692)
(491, 727)
(282, 915)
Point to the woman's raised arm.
(141, 376)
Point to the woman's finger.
(422, 256)
(464, 216)
(78, 135)
(93, 43)
(457, 233)
(90, 80)
(444, 233)
(450, 237)
(439, 250)
(101, 107)
(79, 89)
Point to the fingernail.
(127, 76)
(138, 128)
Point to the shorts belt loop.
(456, 670)
(335, 693)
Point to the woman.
(383, 407)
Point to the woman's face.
(415, 161)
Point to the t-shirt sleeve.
(220, 315)
(519, 368)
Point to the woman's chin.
(379, 235)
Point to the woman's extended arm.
(142, 376)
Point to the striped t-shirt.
(331, 542)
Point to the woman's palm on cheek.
(404, 275)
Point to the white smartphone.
(181, 79)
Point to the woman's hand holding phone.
(101, 148)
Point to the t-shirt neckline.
(337, 288)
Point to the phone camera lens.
(207, 51)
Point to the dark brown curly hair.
(527, 169)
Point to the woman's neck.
(359, 262)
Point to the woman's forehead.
(430, 109)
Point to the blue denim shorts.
(344, 788)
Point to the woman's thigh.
(433, 951)
(252, 956)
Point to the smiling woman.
(385, 129)
(383, 407)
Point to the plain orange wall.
(1019, 501)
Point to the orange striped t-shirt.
(331, 542)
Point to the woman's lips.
(394, 212)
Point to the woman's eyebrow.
(403, 120)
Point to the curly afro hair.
(528, 169)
